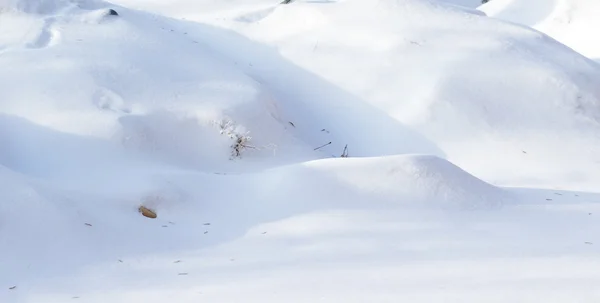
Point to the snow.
(332, 151)
(464, 3)
(571, 22)
(551, 89)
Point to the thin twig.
(322, 146)
(345, 152)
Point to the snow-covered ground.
(572, 22)
(320, 151)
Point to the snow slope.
(572, 22)
(434, 105)
(506, 95)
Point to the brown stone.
(146, 212)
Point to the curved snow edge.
(423, 180)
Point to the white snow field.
(319, 151)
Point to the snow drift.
(119, 79)
(419, 181)
(102, 114)
(481, 88)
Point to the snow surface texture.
(331, 151)
(464, 3)
(572, 22)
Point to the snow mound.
(164, 89)
(413, 180)
(571, 22)
(234, 139)
(480, 88)
(138, 84)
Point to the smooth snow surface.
(320, 151)
(572, 22)
(44, 7)
(465, 3)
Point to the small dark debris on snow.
(206, 232)
(292, 124)
(322, 145)
(559, 194)
(178, 261)
(264, 232)
(171, 223)
(75, 298)
(524, 151)
(345, 152)
(548, 199)
(120, 261)
(112, 12)
(165, 226)
(589, 214)
(88, 224)
(207, 224)
(182, 274)
(12, 287)
(588, 243)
